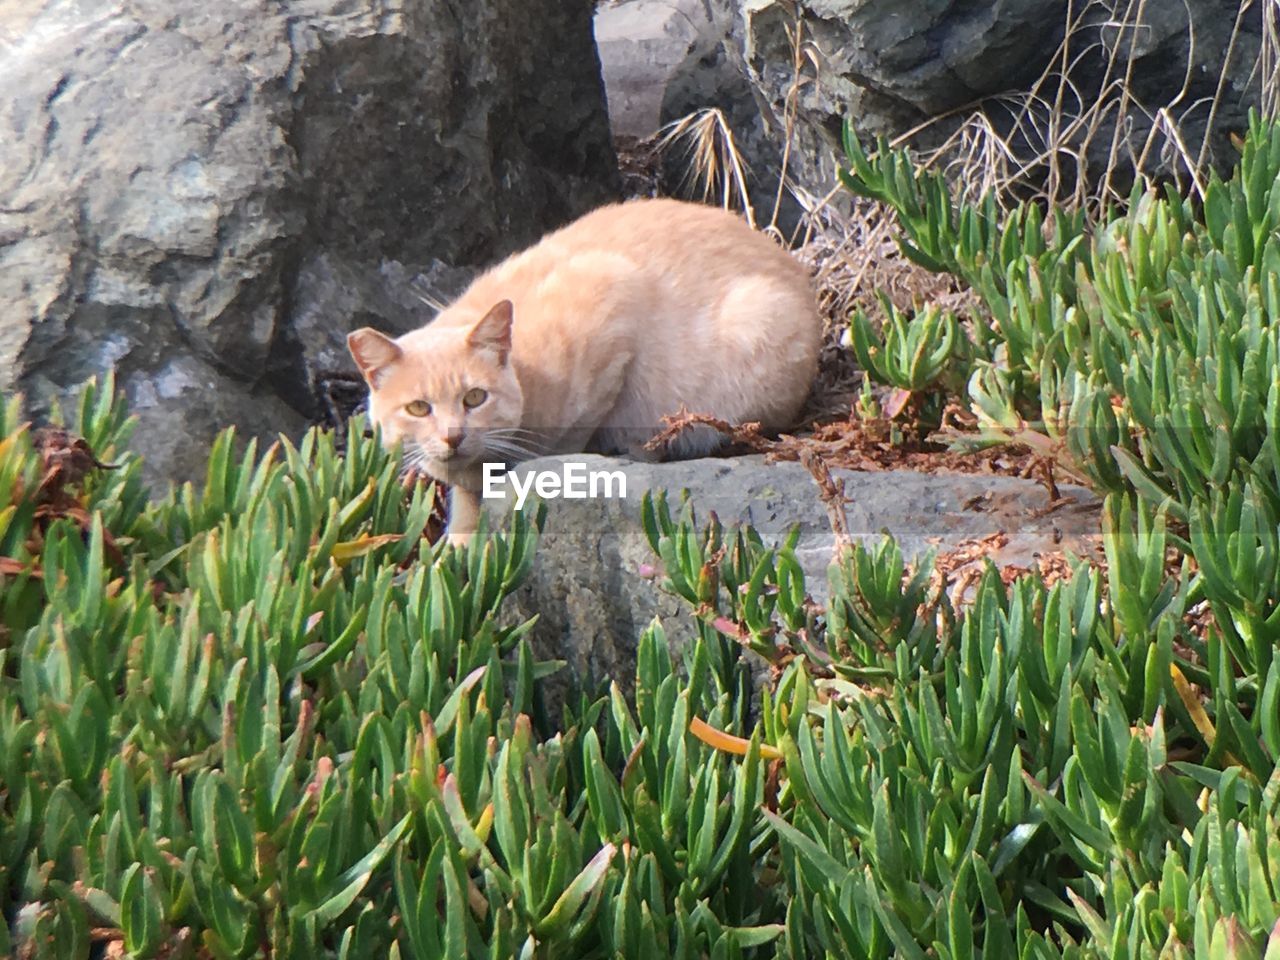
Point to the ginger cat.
(587, 339)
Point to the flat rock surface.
(594, 595)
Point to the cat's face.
(449, 392)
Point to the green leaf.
(571, 901)
(141, 913)
(354, 880)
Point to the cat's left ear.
(494, 331)
(372, 352)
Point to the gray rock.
(331, 296)
(594, 594)
(643, 44)
(894, 66)
(666, 59)
(209, 196)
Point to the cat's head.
(447, 390)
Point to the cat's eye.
(474, 397)
(418, 408)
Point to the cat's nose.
(452, 439)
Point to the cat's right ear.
(493, 332)
(372, 352)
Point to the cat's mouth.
(451, 464)
(443, 463)
(454, 465)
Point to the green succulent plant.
(264, 716)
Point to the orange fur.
(585, 340)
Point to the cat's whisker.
(509, 451)
(516, 434)
(510, 441)
(512, 448)
(532, 441)
(414, 459)
(512, 431)
(509, 448)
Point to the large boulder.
(923, 67)
(594, 588)
(208, 196)
(667, 60)
(643, 46)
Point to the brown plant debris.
(831, 492)
(66, 462)
(867, 445)
(960, 570)
(439, 518)
(855, 259)
(852, 255)
(640, 165)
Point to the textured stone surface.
(890, 66)
(593, 599)
(643, 45)
(665, 59)
(332, 295)
(188, 191)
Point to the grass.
(715, 169)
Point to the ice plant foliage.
(266, 717)
(1032, 775)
